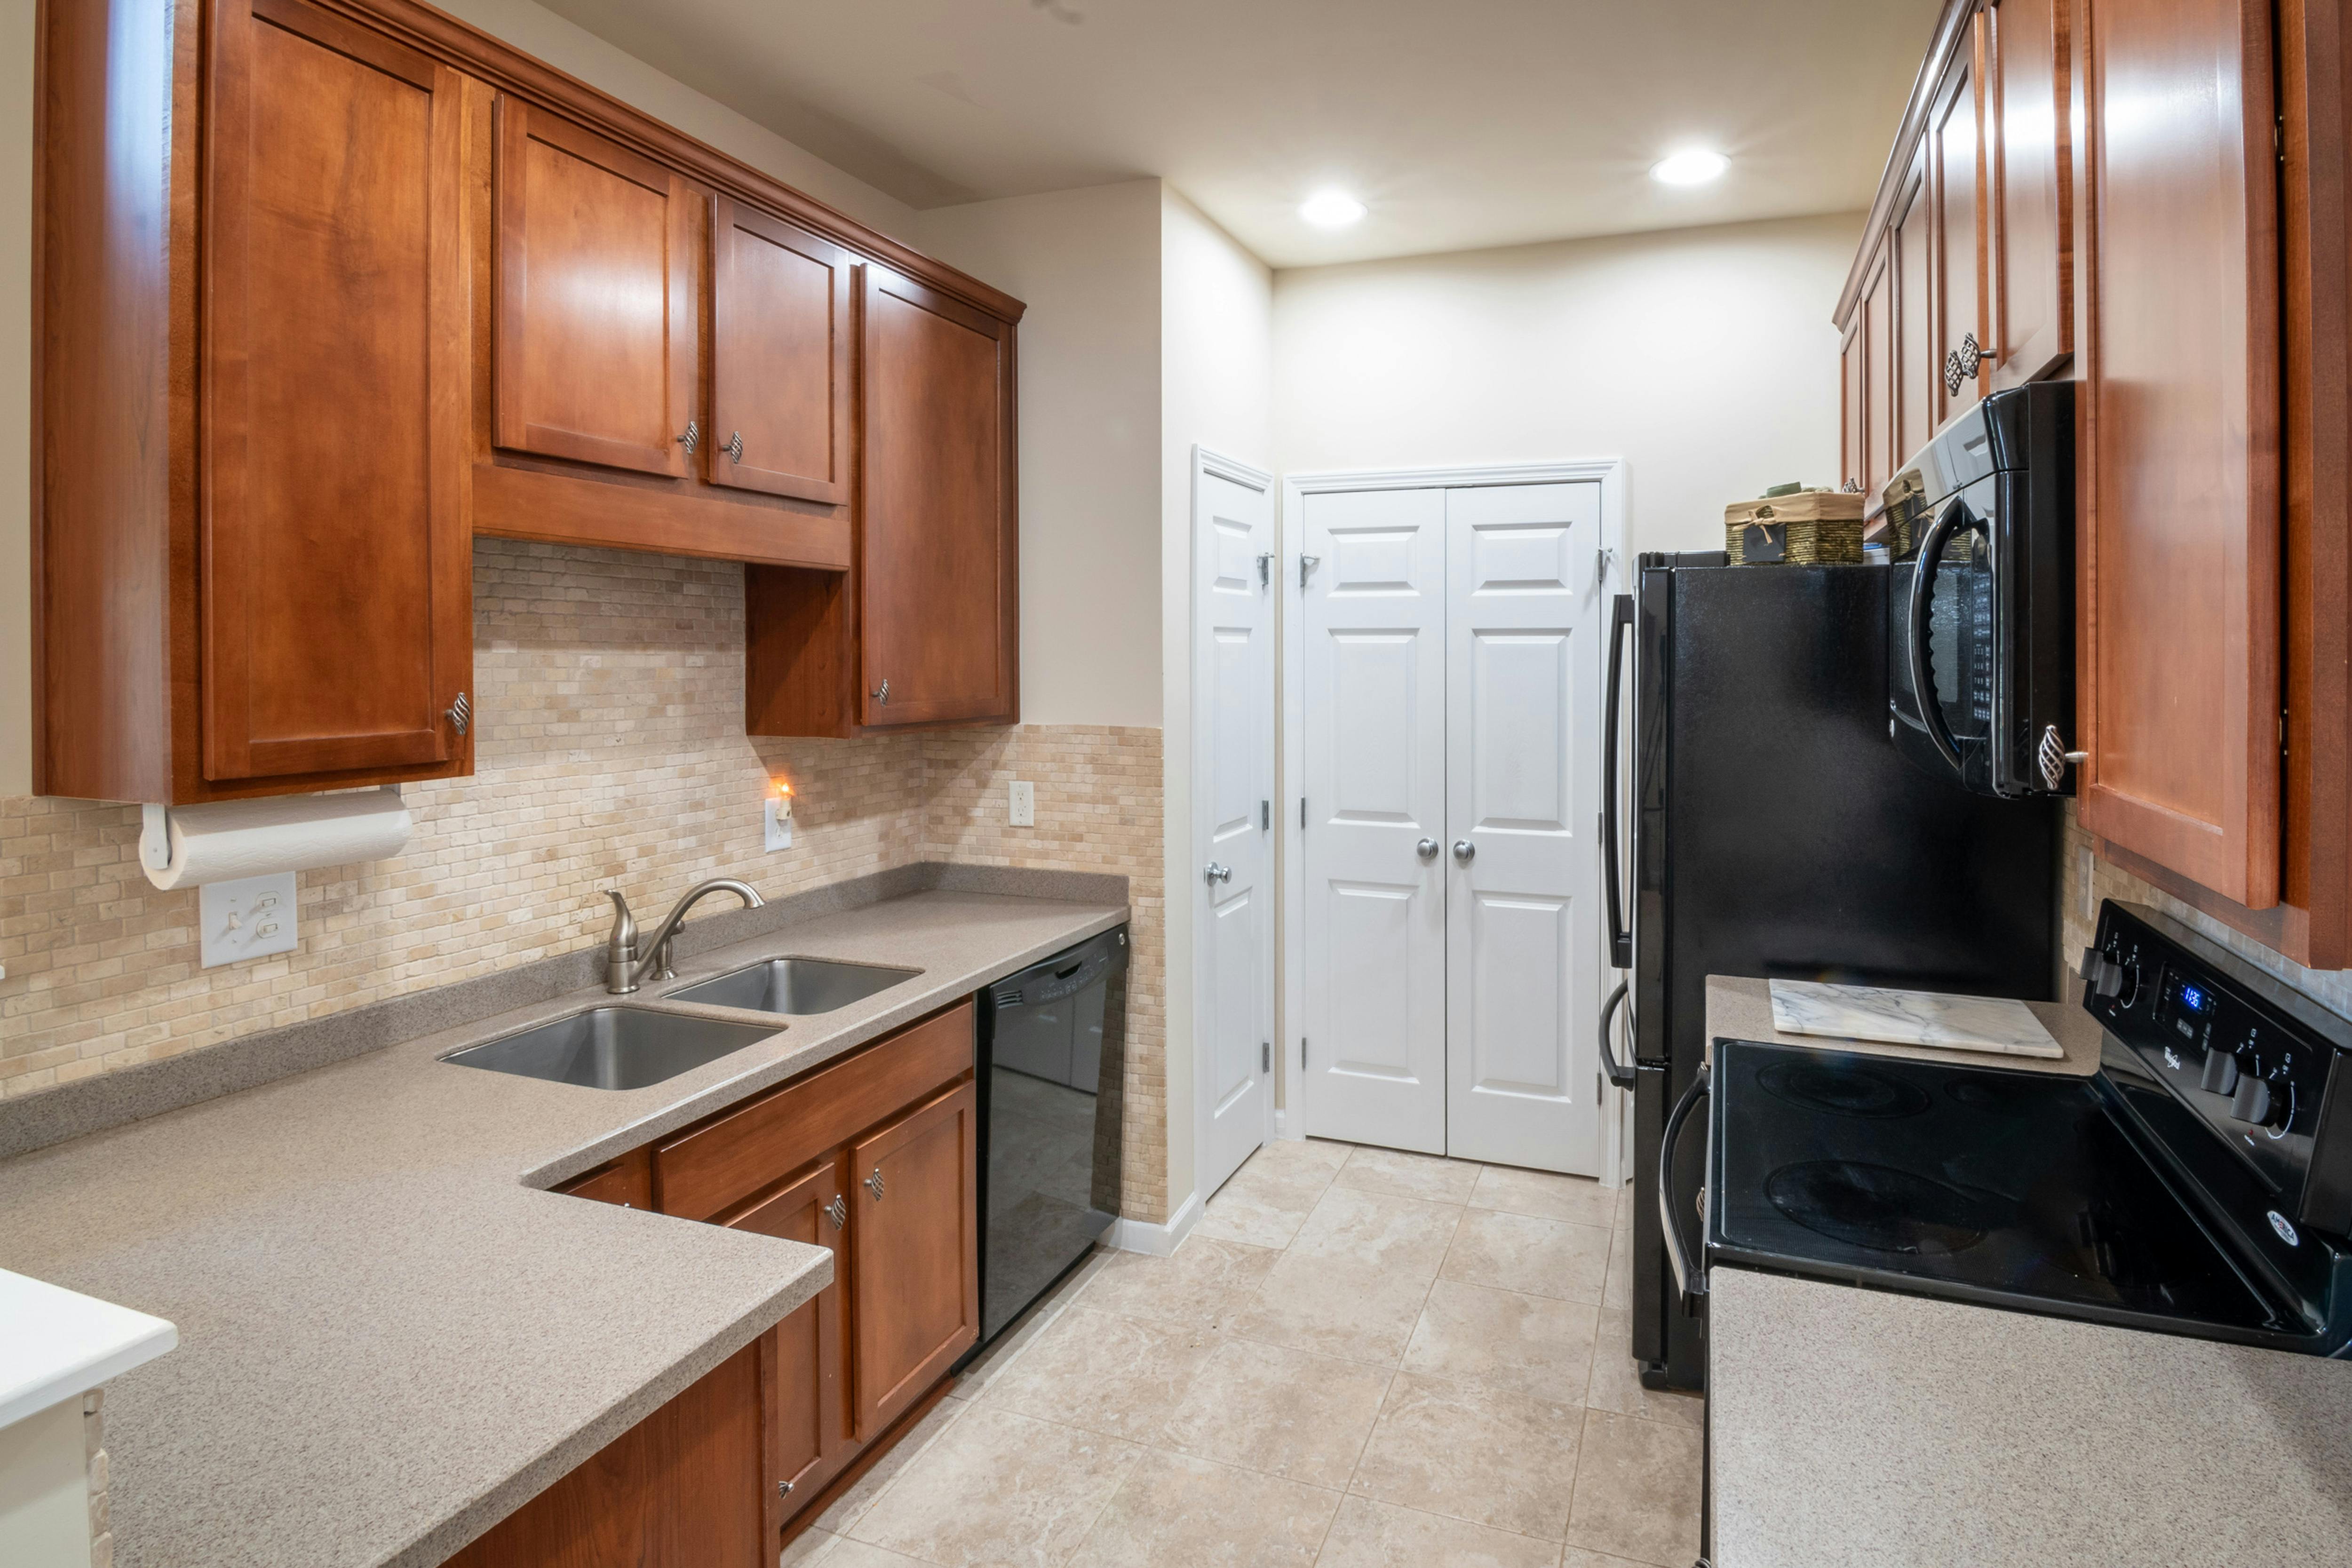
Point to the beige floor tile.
(1369, 1535)
(1176, 1512)
(852, 1505)
(1282, 1410)
(1119, 1376)
(809, 1548)
(1579, 1200)
(1009, 1346)
(1626, 1204)
(1637, 1484)
(1198, 1287)
(998, 1487)
(1619, 1292)
(857, 1555)
(1578, 1558)
(1617, 1387)
(1267, 1200)
(1440, 1181)
(1533, 1344)
(1399, 1236)
(1473, 1451)
(1302, 1154)
(1520, 1252)
(1333, 1306)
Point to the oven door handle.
(1620, 930)
(1622, 1076)
(1690, 1279)
(1923, 678)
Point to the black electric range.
(2200, 1182)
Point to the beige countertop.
(1854, 1428)
(390, 1335)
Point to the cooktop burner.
(1884, 1209)
(1841, 1086)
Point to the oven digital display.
(2196, 999)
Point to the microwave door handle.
(1621, 934)
(1923, 682)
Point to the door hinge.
(1265, 1055)
(1306, 564)
(1265, 816)
(1302, 1053)
(2282, 731)
(1302, 812)
(1264, 568)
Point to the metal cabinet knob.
(882, 693)
(1962, 364)
(784, 1488)
(693, 433)
(837, 1211)
(873, 1184)
(1216, 873)
(460, 713)
(1426, 848)
(734, 447)
(1464, 851)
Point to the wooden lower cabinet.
(810, 1409)
(914, 1247)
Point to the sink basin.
(612, 1048)
(802, 985)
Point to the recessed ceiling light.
(1696, 167)
(1332, 210)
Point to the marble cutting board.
(1994, 1024)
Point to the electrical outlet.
(779, 825)
(1024, 804)
(250, 918)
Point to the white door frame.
(1206, 464)
(1298, 1118)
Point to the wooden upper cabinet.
(1959, 369)
(780, 341)
(915, 1255)
(2028, 158)
(2180, 636)
(1854, 403)
(937, 557)
(1916, 364)
(337, 562)
(597, 255)
(1876, 312)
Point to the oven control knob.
(2220, 1075)
(2254, 1102)
(2103, 977)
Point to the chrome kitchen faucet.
(624, 972)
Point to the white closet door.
(1235, 547)
(1373, 711)
(1524, 619)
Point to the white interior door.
(1373, 712)
(1524, 621)
(1234, 552)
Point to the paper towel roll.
(189, 846)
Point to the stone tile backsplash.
(610, 752)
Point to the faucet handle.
(624, 924)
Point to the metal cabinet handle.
(460, 713)
(734, 447)
(1216, 873)
(882, 693)
(1464, 851)
(1962, 364)
(1426, 848)
(693, 433)
(784, 1488)
(837, 1211)
(873, 1184)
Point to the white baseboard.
(1159, 1240)
(1284, 1127)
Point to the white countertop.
(58, 1344)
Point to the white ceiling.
(1461, 124)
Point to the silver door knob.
(1464, 851)
(1216, 873)
(1426, 848)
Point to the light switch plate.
(1024, 804)
(779, 827)
(250, 918)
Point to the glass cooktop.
(1976, 1183)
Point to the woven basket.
(1810, 527)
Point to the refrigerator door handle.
(1621, 935)
(1690, 1278)
(1622, 1077)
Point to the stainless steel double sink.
(620, 1046)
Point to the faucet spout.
(623, 970)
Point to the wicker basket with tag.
(1795, 528)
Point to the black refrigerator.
(1776, 833)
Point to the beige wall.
(1086, 263)
(1216, 381)
(1703, 357)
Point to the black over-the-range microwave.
(1981, 609)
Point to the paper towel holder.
(155, 832)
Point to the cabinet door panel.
(596, 297)
(1916, 364)
(1877, 314)
(1854, 410)
(808, 1416)
(936, 565)
(780, 357)
(915, 1255)
(337, 572)
(2028, 153)
(2180, 506)
(1955, 155)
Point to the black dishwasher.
(1053, 1053)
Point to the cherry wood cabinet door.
(2179, 520)
(336, 569)
(808, 1417)
(1956, 170)
(914, 1254)
(937, 621)
(2029, 155)
(780, 331)
(1876, 313)
(1854, 385)
(1915, 363)
(597, 253)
